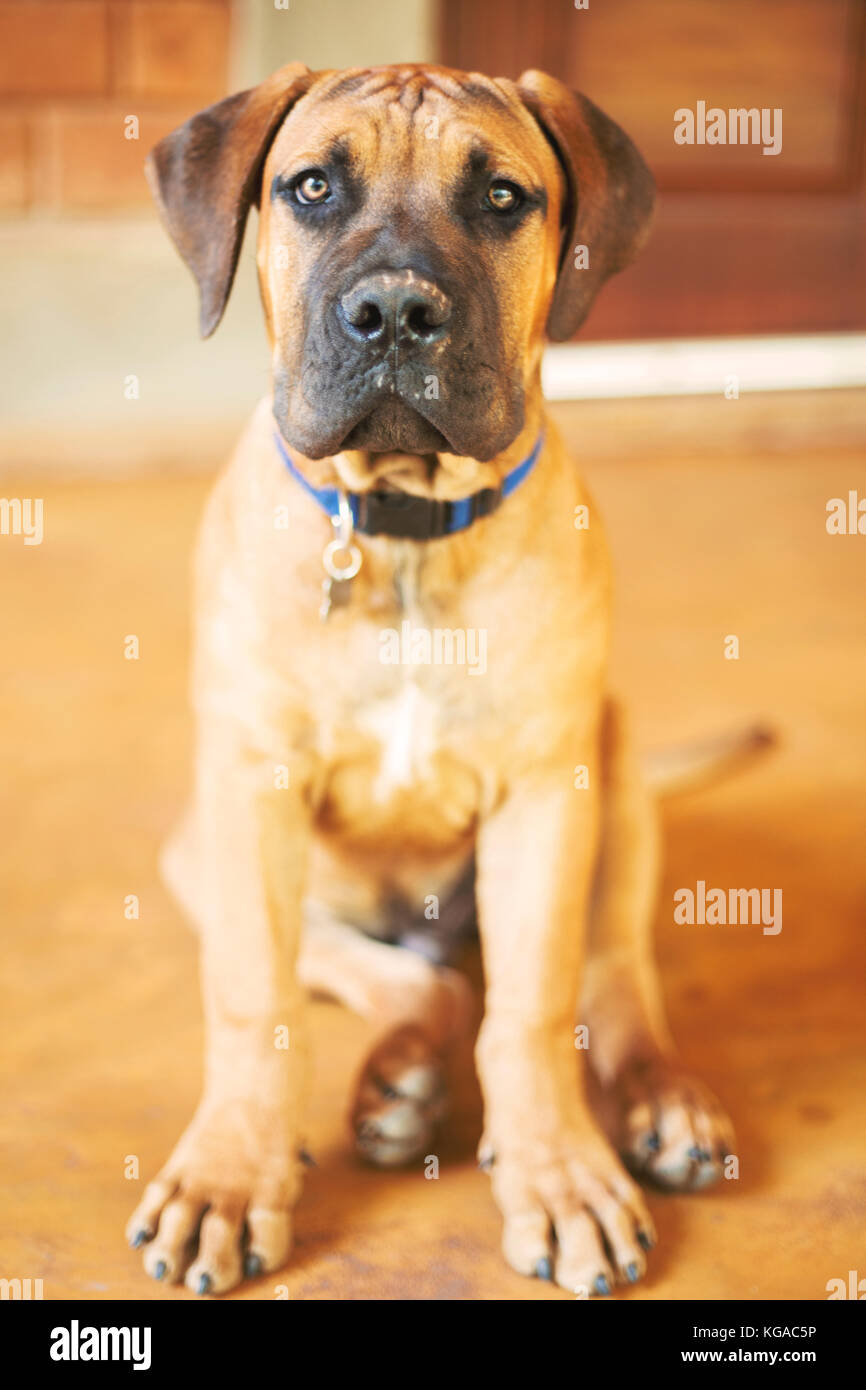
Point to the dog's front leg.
(553, 1173)
(221, 1206)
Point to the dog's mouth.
(394, 448)
(394, 426)
(449, 406)
(365, 470)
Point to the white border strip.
(704, 366)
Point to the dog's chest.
(400, 758)
(406, 726)
(401, 737)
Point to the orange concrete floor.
(717, 529)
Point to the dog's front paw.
(672, 1129)
(220, 1209)
(570, 1212)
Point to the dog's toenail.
(701, 1155)
(307, 1159)
(644, 1241)
(159, 1271)
(487, 1162)
(204, 1284)
(653, 1142)
(632, 1273)
(138, 1239)
(253, 1266)
(602, 1286)
(544, 1269)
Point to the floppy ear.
(610, 195)
(205, 175)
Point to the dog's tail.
(690, 765)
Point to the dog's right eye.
(311, 187)
(503, 196)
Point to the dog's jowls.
(420, 232)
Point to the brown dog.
(420, 231)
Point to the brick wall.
(71, 74)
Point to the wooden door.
(743, 242)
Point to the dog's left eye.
(503, 196)
(312, 187)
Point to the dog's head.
(420, 231)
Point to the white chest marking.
(406, 727)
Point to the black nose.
(393, 306)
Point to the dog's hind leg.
(419, 1009)
(669, 1127)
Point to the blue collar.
(413, 518)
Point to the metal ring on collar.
(336, 547)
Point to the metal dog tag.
(335, 594)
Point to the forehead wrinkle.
(408, 87)
(338, 84)
(367, 83)
(409, 83)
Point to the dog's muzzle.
(398, 359)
